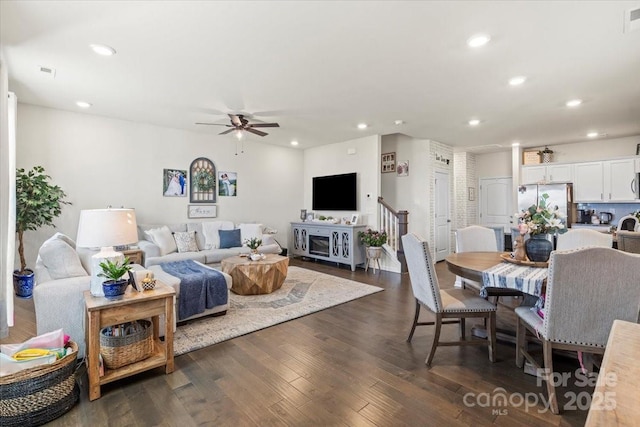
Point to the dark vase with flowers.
(538, 248)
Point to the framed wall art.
(174, 183)
(354, 219)
(227, 184)
(202, 211)
(203, 180)
(388, 162)
(403, 168)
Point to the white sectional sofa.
(214, 241)
(63, 274)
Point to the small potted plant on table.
(113, 271)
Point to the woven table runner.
(507, 275)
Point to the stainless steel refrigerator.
(560, 195)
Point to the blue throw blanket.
(200, 287)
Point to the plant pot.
(23, 283)
(114, 289)
(538, 248)
(374, 252)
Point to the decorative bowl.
(256, 257)
(114, 289)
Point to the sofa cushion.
(163, 238)
(60, 258)
(211, 229)
(230, 238)
(250, 231)
(200, 240)
(186, 241)
(173, 227)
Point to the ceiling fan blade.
(264, 125)
(214, 124)
(257, 132)
(227, 131)
(236, 119)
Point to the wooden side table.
(134, 305)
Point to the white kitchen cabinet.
(606, 181)
(588, 185)
(547, 174)
(620, 180)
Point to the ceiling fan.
(239, 123)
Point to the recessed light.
(474, 122)
(294, 142)
(83, 104)
(478, 40)
(399, 122)
(574, 102)
(103, 49)
(517, 81)
(592, 135)
(515, 144)
(362, 126)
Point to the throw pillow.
(210, 230)
(186, 241)
(60, 259)
(230, 238)
(163, 238)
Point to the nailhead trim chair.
(629, 241)
(583, 238)
(445, 304)
(587, 289)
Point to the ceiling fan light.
(239, 134)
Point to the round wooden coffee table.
(256, 277)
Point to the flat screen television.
(335, 192)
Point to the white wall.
(99, 161)
(596, 149)
(493, 165)
(334, 159)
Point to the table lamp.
(105, 228)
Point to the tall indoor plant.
(38, 202)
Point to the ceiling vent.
(632, 20)
(47, 71)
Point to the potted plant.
(373, 240)
(113, 271)
(38, 202)
(539, 221)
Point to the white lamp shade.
(106, 227)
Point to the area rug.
(303, 292)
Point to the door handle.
(633, 185)
(448, 220)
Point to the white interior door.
(442, 218)
(495, 202)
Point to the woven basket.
(37, 395)
(120, 351)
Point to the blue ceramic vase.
(538, 248)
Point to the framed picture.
(227, 184)
(202, 211)
(403, 168)
(202, 181)
(354, 219)
(174, 183)
(471, 196)
(310, 216)
(388, 163)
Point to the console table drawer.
(318, 231)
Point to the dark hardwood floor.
(347, 365)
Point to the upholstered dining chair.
(629, 223)
(587, 289)
(583, 237)
(629, 241)
(445, 304)
(475, 238)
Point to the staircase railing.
(396, 224)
